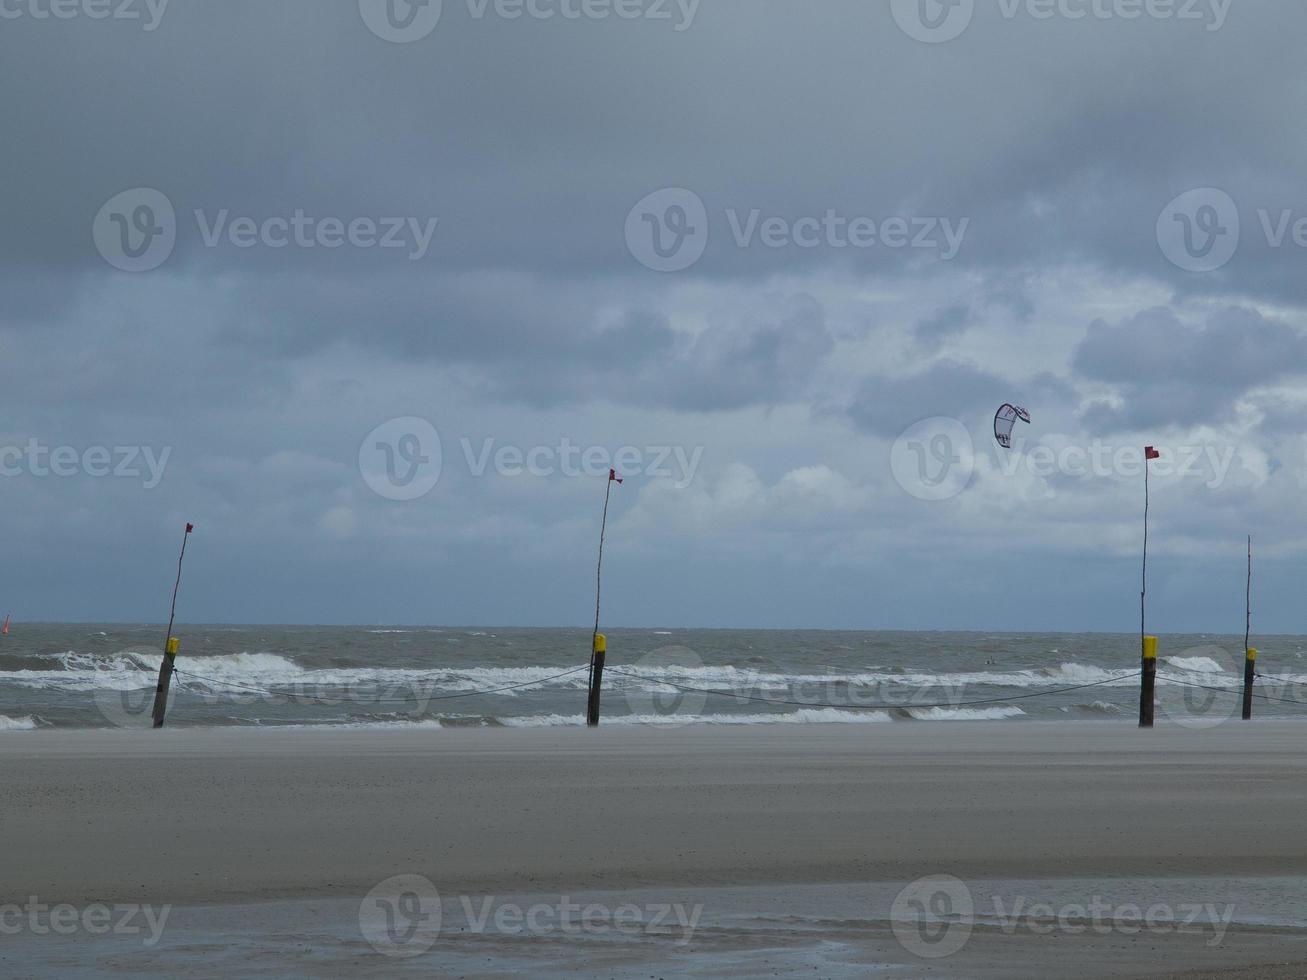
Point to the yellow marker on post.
(173, 645)
(1147, 682)
(596, 679)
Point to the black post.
(596, 679)
(1143, 583)
(169, 644)
(596, 640)
(1147, 682)
(1249, 673)
(1249, 654)
(165, 680)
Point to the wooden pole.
(1143, 584)
(165, 680)
(1249, 673)
(170, 643)
(597, 641)
(596, 680)
(1249, 654)
(1147, 682)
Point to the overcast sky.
(373, 293)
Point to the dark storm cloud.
(1170, 373)
(525, 312)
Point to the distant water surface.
(88, 676)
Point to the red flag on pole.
(1151, 453)
(190, 528)
(613, 477)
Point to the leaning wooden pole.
(1143, 584)
(1249, 654)
(598, 645)
(1147, 644)
(169, 643)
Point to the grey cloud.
(1171, 373)
(933, 330)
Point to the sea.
(104, 676)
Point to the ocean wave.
(129, 670)
(1094, 708)
(1196, 665)
(8, 724)
(964, 714)
(805, 716)
(742, 680)
(84, 672)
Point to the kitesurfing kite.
(1004, 422)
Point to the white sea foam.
(8, 724)
(74, 671)
(965, 714)
(124, 671)
(804, 716)
(1196, 665)
(743, 679)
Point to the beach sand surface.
(792, 841)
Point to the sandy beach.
(794, 839)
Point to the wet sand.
(312, 820)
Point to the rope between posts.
(1230, 690)
(422, 700)
(874, 707)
